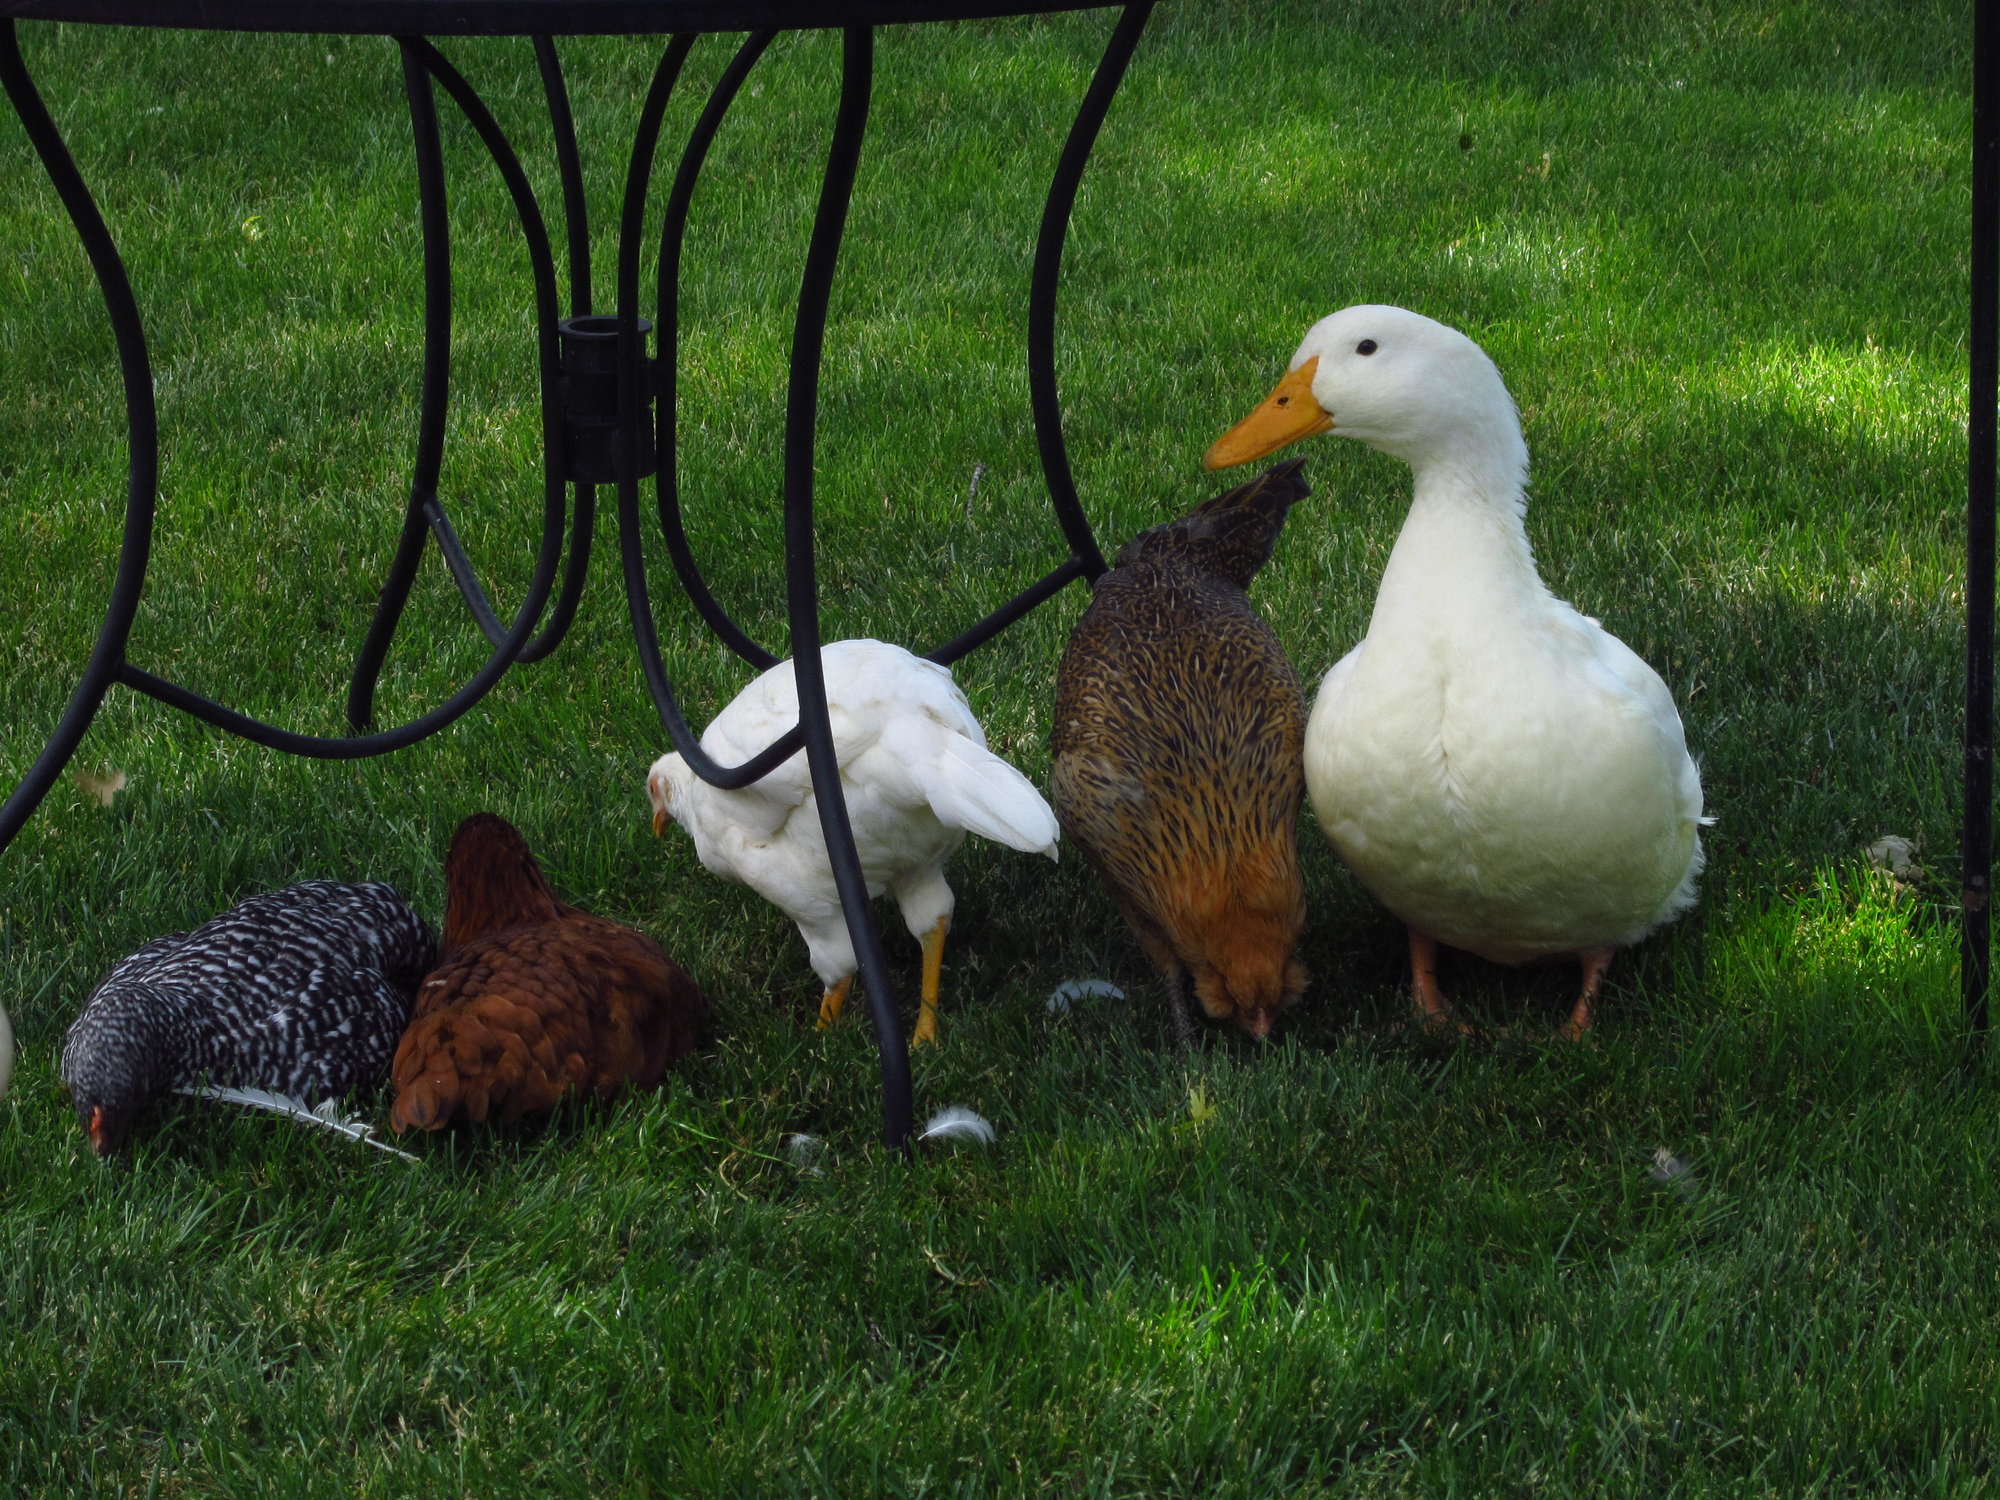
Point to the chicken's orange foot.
(831, 1002)
(926, 1033)
(1595, 961)
(1434, 1012)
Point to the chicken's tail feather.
(976, 790)
(489, 1055)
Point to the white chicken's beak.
(1286, 415)
(656, 793)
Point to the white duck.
(1507, 776)
(917, 777)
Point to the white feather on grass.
(1670, 1171)
(1072, 990)
(324, 1115)
(805, 1151)
(957, 1123)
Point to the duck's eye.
(1366, 346)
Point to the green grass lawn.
(1717, 249)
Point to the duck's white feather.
(1506, 775)
(916, 774)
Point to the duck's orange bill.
(1287, 414)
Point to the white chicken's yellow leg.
(831, 1002)
(926, 1033)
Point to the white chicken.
(917, 777)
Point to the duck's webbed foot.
(1434, 1011)
(1595, 961)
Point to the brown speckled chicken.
(532, 998)
(1178, 745)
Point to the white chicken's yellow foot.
(926, 1033)
(831, 1002)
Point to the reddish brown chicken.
(532, 998)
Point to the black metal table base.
(596, 423)
(601, 423)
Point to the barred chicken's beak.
(99, 1134)
(1286, 415)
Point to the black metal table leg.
(142, 438)
(802, 589)
(576, 220)
(507, 648)
(426, 518)
(433, 400)
(1976, 846)
(1048, 273)
(673, 237)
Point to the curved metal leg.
(505, 651)
(426, 515)
(631, 546)
(1048, 271)
(576, 215)
(434, 399)
(1976, 844)
(141, 428)
(576, 220)
(673, 232)
(1085, 560)
(801, 583)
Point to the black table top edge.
(520, 17)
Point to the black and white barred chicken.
(303, 991)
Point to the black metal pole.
(801, 581)
(141, 431)
(576, 221)
(542, 265)
(673, 234)
(1977, 844)
(1042, 398)
(435, 398)
(576, 210)
(1043, 589)
(631, 548)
